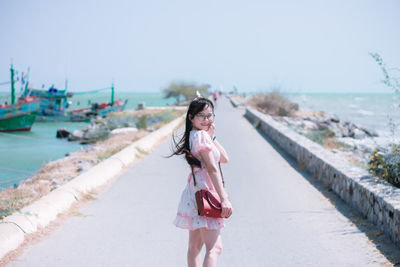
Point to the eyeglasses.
(203, 117)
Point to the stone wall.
(376, 199)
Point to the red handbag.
(208, 201)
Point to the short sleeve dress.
(187, 216)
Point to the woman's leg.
(195, 245)
(213, 241)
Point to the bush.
(142, 122)
(274, 103)
(386, 164)
(186, 90)
(321, 136)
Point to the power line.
(15, 170)
(21, 137)
(11, 180)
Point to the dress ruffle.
(193, 223)
(201, 142)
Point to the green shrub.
(142, 122)
(320, 136)
(386, 164)
(185, 90)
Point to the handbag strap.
(220, 170)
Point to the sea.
(23, 153)
(373, 111)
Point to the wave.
(365, 112)
(353, 106)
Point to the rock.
(84, 166)
(335, 127)
(124, 130)
(370, 133)
(54, 182)
(322, 125)
(332, 118)
(76, 135)
(62, 133)
(358, 134)
(309, 125)
(345, 129)
(96, 132)
(292, 122)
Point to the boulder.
(322, 125)
(62, 133)
(124, 130)
(358, 134)
(332, 118)
(75, 136)
(370, 133)
(309, 125)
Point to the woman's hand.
(227, 209)
(211, 130)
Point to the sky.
(141, 46)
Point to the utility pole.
(112, 94)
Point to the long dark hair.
(182, 146)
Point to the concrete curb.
(376, 199)
(40, 213)
(235, 103)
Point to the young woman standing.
(202, 152)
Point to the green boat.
(18, 116)
(54, 105)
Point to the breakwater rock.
(354, 142)
(101, 128)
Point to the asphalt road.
(282, 216)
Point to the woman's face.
(203, 119)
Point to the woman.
(203, 152)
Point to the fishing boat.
(54, 104)
(18, 116)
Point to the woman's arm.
(216, 179)
(224, 156)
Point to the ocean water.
(371, 110)
(23, 153)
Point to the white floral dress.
(187, 216)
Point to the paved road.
(282, 216)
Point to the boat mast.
(112, 94)
(12, 86)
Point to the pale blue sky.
(302, 46)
